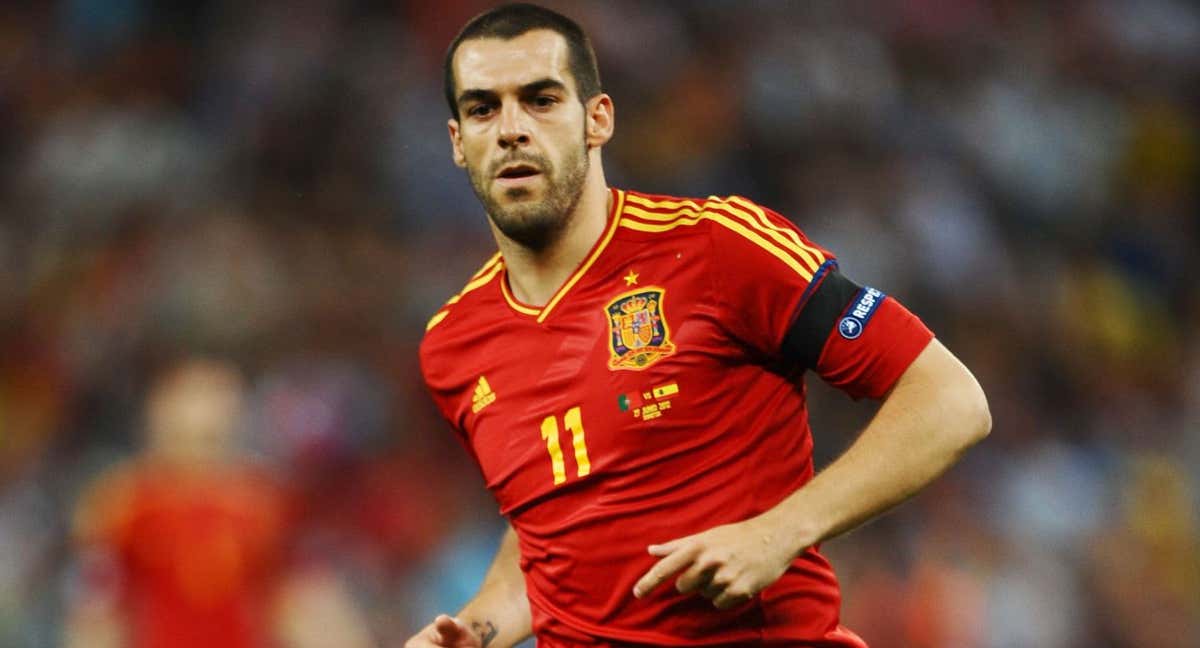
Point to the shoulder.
(463, 312)
(657, 214)
(737, 228)
(106, 502)
(714, 215)
(485, 275)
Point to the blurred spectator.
(188, 544)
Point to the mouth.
(517, 173)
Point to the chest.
(623, 373)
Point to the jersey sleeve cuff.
(869, 364)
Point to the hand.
(445, 632)
(728, 564)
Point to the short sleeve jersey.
(196, 552)
(652, 398)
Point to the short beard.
(535, 225)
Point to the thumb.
(448, 629)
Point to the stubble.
(531, 223)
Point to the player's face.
(192, 414)
(521, 133)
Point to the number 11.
(573, 421)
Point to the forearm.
(499, 613)
(933, 414)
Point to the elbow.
(976, 417)
(941, 385)
(983, 420)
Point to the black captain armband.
(806, 338)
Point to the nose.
(513, 129)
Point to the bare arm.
(500, 609)
(498, 616)
(933, 414)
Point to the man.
(187, 544)
(627, 373)
(192, 532)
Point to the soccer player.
(627, 373)
(191, 533)
(186, 545)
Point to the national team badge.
(638, 335)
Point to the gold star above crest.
(631, 278)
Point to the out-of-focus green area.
(270, 183)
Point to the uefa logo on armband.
(850, 328)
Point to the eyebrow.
(540, 85)
(531, 88)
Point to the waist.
(593, 604)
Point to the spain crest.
(638, 335)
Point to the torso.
(625, 413)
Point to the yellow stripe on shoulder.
(662, 204)
(479, 280)
(487, 266)
(749, 213)
(436, 319)
(790, 233)
(684, 219)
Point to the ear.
(600, 122)
(456, 143)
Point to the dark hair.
(511, 20)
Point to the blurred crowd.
(223, 226)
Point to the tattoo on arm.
(486, 631)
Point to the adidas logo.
(483, 397)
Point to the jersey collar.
(618, 204)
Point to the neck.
(535, 275)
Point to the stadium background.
(270, 181)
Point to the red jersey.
(649, 399)
(196, 551)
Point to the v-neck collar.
(618, 204)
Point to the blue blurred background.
(269, 183)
